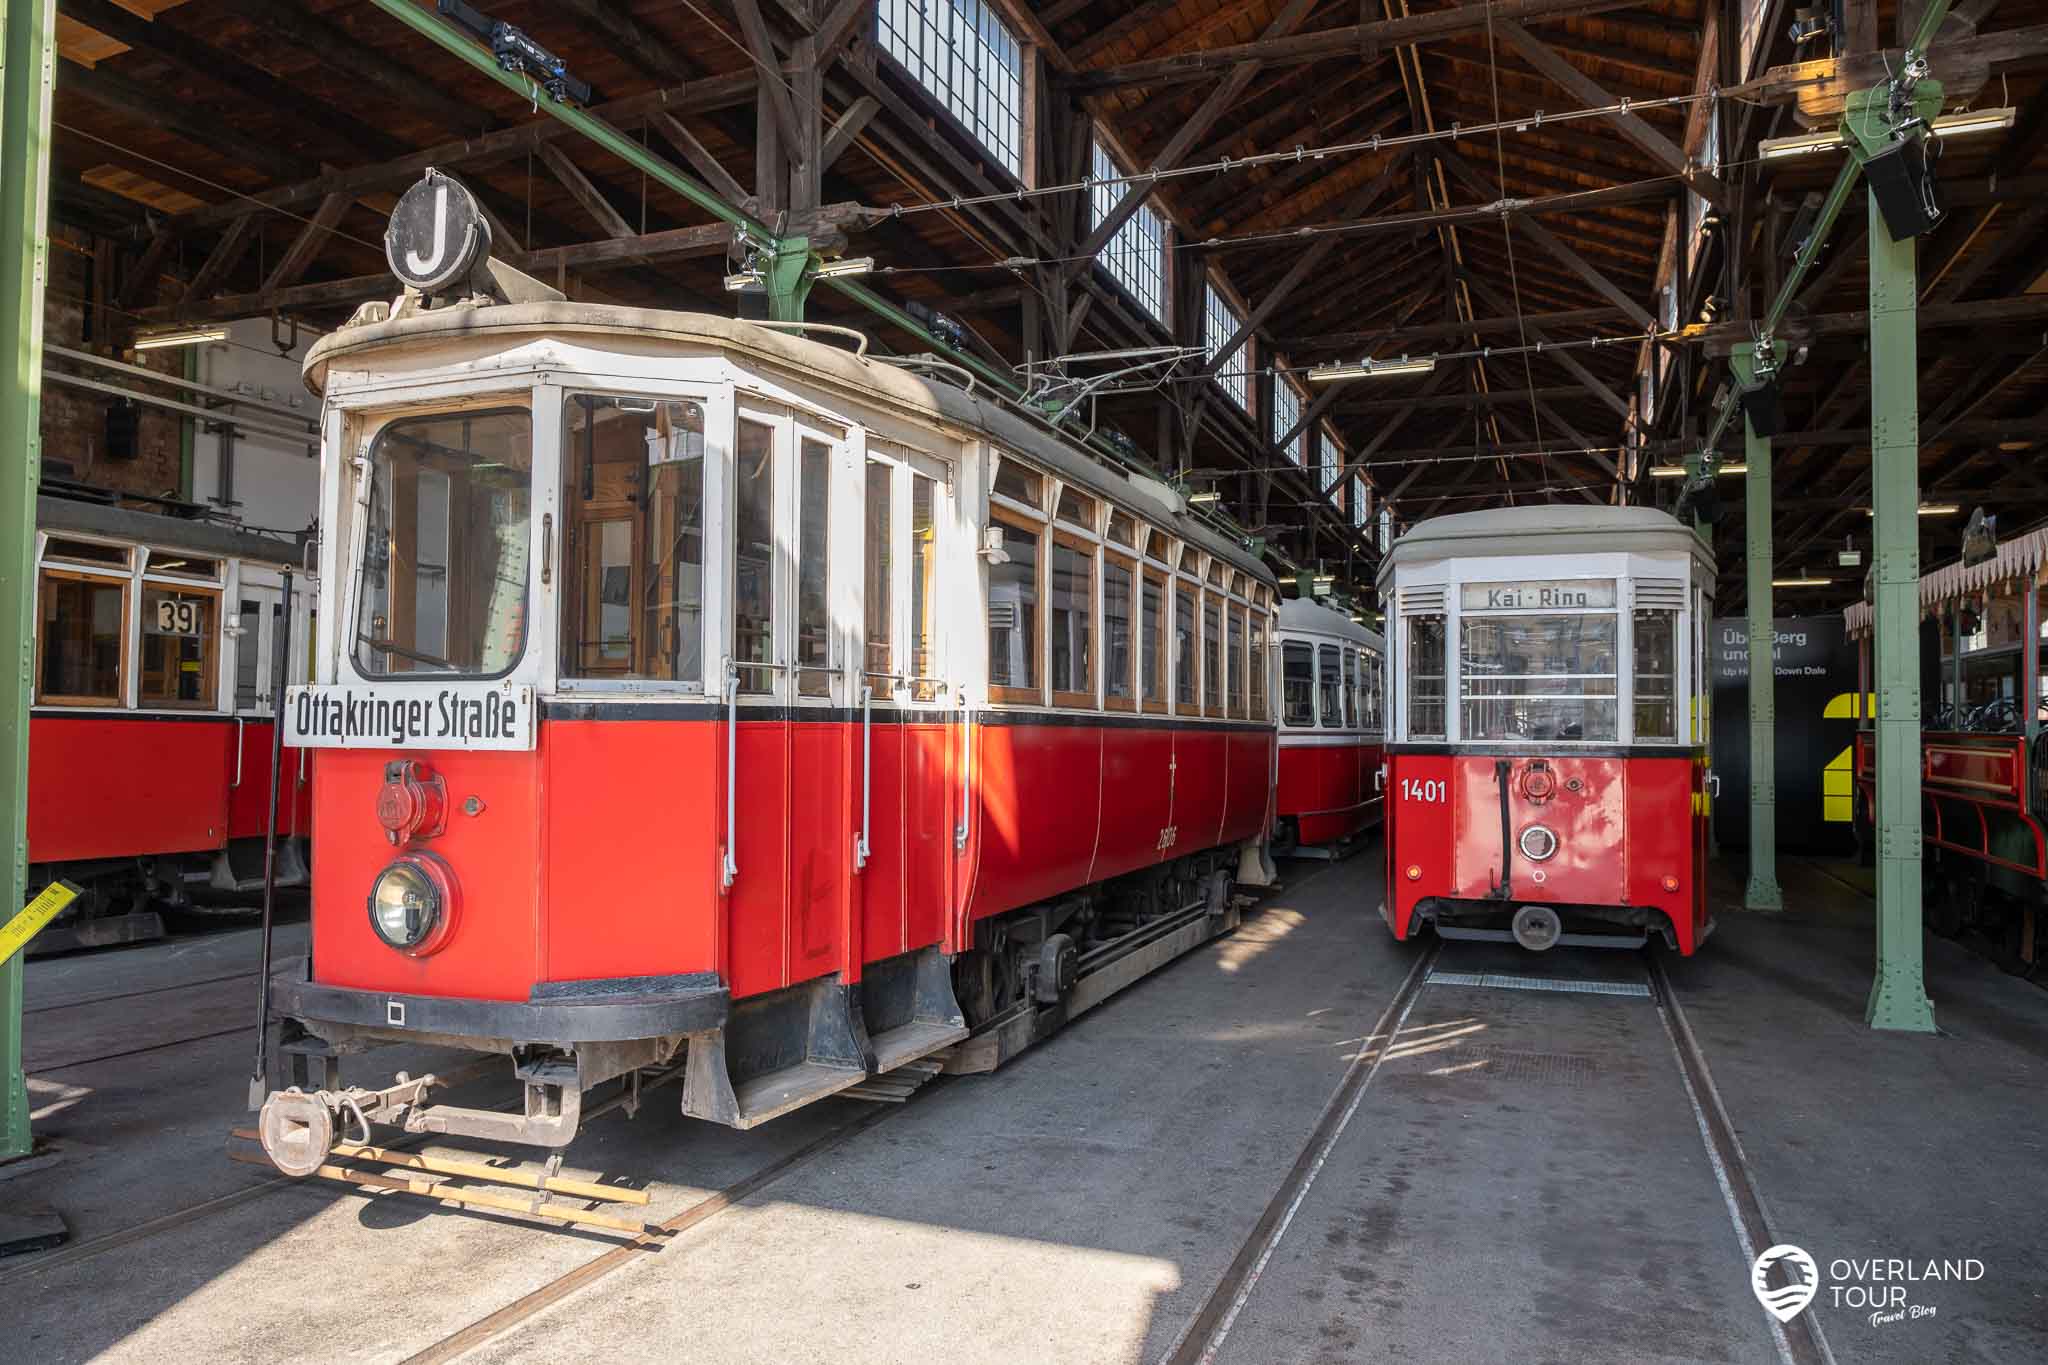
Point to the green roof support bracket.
(27, 63)
(1898, 996)
(1762, 891)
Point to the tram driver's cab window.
(632, 538)
(1425, 665)
(81, 627)
(1537, 661)
(1656, 675)
(447, 546)
(1297, 684)
(178, 630)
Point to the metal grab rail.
(729, 865)
(239, 724)
(966, 774)
(867, 737)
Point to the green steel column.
(1898, 997)
(26, 66)
(1762, 891)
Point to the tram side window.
(1297, 684)
(924, 590)
(1118, 689)
(178, 631)
(446, 551)
(753, 591)
(1425, 663)
(1184, 646)
(1351, 689)
(1330, 685)
(880, 570)
(1236, 665)
(1152, 641)
(1656, 675)
(1258, 666)
(1072, 603)
(1212, 658)
(813, 554)
(633, 538)
(79, 637)
(248, 663)
(1013, 616)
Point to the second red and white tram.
(1332, 679)
(1547, 776)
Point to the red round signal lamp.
(1670, 882)
(1414, 872)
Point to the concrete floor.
(1523, 1180)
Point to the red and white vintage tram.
(692, 697)
(1547, 772)
(150, 733)
(1332, 727)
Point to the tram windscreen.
(446, 547)
(1526, 672)
(1540, 676)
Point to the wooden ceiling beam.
(147, 105)
(1351, 39)
(571, 176)
(1584, 88)
(335, 48)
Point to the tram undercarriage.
(1032, 970)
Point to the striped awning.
(2020, 558)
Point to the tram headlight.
(1538, 843)
(412, 904)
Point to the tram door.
(257, 631)
(909, 724)
(792, 863)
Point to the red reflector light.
(1414, 872)
(1670, 882)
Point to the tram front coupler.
(300, 1128)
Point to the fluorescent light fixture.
(1208, 497)
(746, 279)
(1973, 121)
(1369, 368)
(1948, 125)
(1667, 471)
(1808, 582)
(850, 265)
(1325, 582)
(1738, 467)
(189, 336)
(1928, 509)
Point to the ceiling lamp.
(1948, 125)
(1369, 368)
(1928, 509)
(850, 265)
(188, 336)
(1805, 581)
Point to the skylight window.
(1135, 255)
(964, 54)
(1219, 324)
(1286, 413)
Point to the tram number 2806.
(1427, 789)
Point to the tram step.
(897, 1086)
(777, 1092)
(911, 1041)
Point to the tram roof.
(1305, 615)
(873, 380)
(1545, 529)
(153, 528)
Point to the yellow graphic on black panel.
(1838, 779)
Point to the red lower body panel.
(1628, 835)
(1327, 789)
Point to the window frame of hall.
(966, 119)
(1104, 163)
(1295, 402)
(1233, 374)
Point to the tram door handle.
(966, 774)
(867, 770)
(729, 865)
(1713, 784)
(239, 726)
(1379, 778)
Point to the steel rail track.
(146, 990)
(1800, 1343)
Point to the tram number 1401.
(1429, 789)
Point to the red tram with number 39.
(1546, 775)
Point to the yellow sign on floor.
(34, 916)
